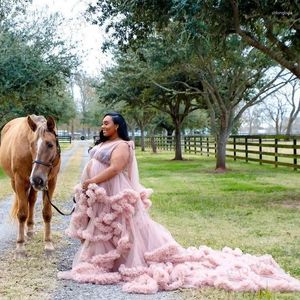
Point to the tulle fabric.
(122, 244)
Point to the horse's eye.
(49, 145)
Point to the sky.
(87, 37)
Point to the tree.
(129, 22)
(219, 68)
(136, 76)
(10, 8)
(271, 27)
(34, 67)
(293, 99)
(223, 75)
(276, 113)
(252, 119)
(162, 122)
(86, 99)
(283, 107)
(197, 122)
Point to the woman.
(121, 243)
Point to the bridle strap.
(50, 164)
(37, 161)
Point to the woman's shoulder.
(124, 144)
(112, 145)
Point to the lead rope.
(57, 209)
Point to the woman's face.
(109, 128)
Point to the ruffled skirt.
(121, 243)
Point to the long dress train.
(121, 243)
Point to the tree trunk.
(289, 127)
(142, 139)
(169, 132)
(178, 152)
(153, 145)
(169, 137)
(72, 129)
(221, 151)
(291, 123)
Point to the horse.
(30, 156)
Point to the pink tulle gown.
(122, 244)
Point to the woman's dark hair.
(122, 128)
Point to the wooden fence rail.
(65, 138)
(278, 150)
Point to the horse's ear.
(50, 124)
(31, 123)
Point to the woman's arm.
(118, 161)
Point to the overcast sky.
(88, 37)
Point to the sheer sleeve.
(133, 172)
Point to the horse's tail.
(14, 209)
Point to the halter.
(37, 161)
(49, 164)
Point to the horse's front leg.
(21, 188)
(47, 215)
(30, 220)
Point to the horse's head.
(44, 149)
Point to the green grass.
(2, 174)
(252, 207)
(5, 187)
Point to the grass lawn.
(5, 187)
(2, 175)
(252, 207)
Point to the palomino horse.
(30, 156)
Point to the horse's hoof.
(19, 254)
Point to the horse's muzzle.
(38, 183)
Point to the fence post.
(234, 148)
(246, 148)
(295, 154)
(215, 145)
(276, 152)
(201, 150)
(260, 151)
(207, 146)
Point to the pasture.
(252, 207)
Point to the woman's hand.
(86, 183)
